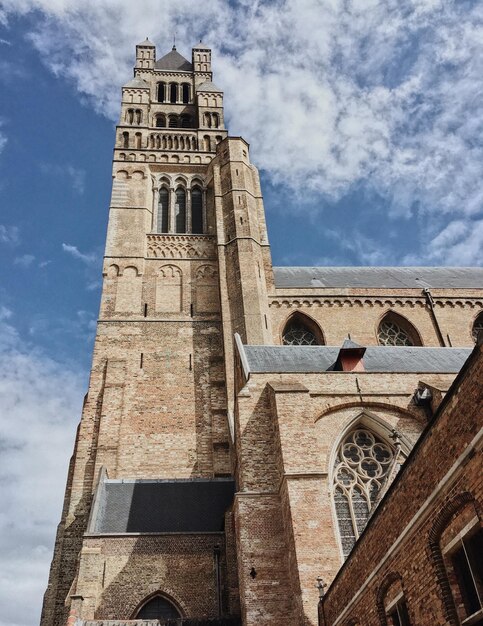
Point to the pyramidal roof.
(209, 86)
(137, 82)
(173, 61)
(201, 46)
(146, 43)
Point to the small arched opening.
(180, 210)
(185, 93)
(161, 92)
(173, 92)
(196, 211)
(477, 326)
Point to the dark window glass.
(180, 211)
(186, 121)
(161, 92)
(186, 93)
(196, 211)
(162, 226)
(173, 121)
(399, 615)
(468, 568)
(158, 608)
(173, 92)
(160, 121)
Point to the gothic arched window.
(477, 326)
(160, 121)
(158, 608)
(161, 92)
(395, 330)
(364, 467)
(301, 331)
(162, 225)
(197, 211)
(180, 211)
(185, 91)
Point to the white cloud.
(25, 260)
(75, 174)
(386, 92)
(9, 235)
(38, 428)
(89, 258)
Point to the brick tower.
(186, 248)
(234, 441)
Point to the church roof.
(167, 506)
(380, 277)
(173, 61)
(315, 359)
(137, 82)
(201, 46)
(209, 86)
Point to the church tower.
(146, 523)
(243, 424)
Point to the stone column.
(154, 220)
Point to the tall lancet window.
(196, 211)
(162, 224)
(364, 467)
(180, 211)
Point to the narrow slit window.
(180, 211)
(197, 211)
(163, 211)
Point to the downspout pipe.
(430, 304)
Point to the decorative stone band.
(353, 301)
(181, 247)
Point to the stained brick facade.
(176, 395)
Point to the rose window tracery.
(364, 465)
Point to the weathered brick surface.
(409, 511)
(166, 384)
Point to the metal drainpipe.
(430, 303)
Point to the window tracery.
(395, 330)
(297, 334)
(364, 467)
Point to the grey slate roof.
(298, 359)
(150, 506)
(209, 86)
(201, 46)
(173, 61)
(380, 277)
(137, 82)
(146, 43)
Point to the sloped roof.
(137, 82)
(380, 277)
(201, 46)
(147, 506)
(173, 61)
(209, 86)
(146, 43)
(314, 359)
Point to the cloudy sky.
(364, 116)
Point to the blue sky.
(364, 117)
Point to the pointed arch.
(196, 210)
(180, 210)
(158, 606)
(394, 329)
(364, 465)
(162, 221)
(301, 330)
(477, 326)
